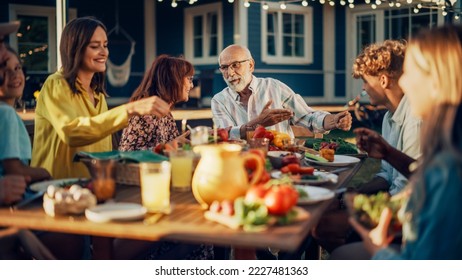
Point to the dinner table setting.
(221, 192)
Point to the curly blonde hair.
(381, 58)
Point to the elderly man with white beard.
(249, 101)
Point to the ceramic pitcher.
(220, 173)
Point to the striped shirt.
(229, 111)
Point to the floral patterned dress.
(144, 133)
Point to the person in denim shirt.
(432, 227)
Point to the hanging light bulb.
(246, 4)
(191, 2)
(378, 2)
(265, 6)
(174, 4)
(304, 3)
(367, 1)
(444, 13)
(398, 4)
(230, 1)
(373, 6)
(350, 1)
(456, 16)
(351, 5)
(332, 3)
(160, 0)
(322, 1)
(283, 6)
(409, 1)
(391, 4)
(342, 2)
(419, 6)
(416, 10)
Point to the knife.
(28, 200)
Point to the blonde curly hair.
(381, 58)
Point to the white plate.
(119, 211)
(42, 186)
(315, 194)
(323, 177)
(339, 160)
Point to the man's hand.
(371, 142)
(340, 120)
(269, 117)
(148, 106)
(12, 187)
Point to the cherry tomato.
(269, 135)
(307, 170)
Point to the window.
(36, 37)
(203, 33)
(287, 34)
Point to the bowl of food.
(367, 209)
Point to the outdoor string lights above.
(447, 7)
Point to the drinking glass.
(259, 143)
(155, 186)
(103, 178)
(200, 135)
(182, 169)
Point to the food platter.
(42, 186)
(318, 178)
(119, 211)
(339, 160)
(315, 194)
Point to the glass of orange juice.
(182, 169)
(155, 186)
(103, 178)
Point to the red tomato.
(277, 202)
(288, 159)
(223, 134)
(256, 193)
(259, 132)
(308, 170)
(289, 191)
(269, 135)
(159, 149)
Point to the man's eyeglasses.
(235, 65)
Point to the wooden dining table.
(185, 223)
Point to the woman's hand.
(371, 142)
(182, 139)
(378, 237)
(148, 106)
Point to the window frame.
(50, 14)
(202, 10)
(279, 58)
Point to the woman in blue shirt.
(432, 227)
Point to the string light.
(446, 6)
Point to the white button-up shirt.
(229, 111)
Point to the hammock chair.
(118, 75)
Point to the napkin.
(129, 156)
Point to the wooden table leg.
(103, 248)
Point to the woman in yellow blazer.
(72, 113)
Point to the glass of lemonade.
(155, 186)
(182, 169)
